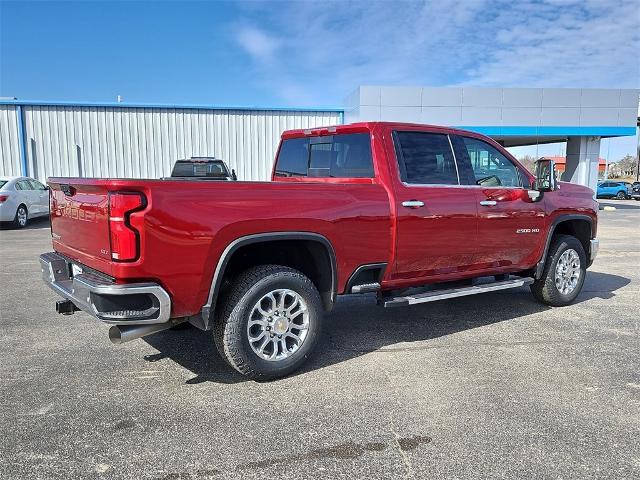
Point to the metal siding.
(9, 141)
(145, 142)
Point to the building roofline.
(165, 105)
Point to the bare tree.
(528, 162)
(627, 166)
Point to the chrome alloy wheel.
(22, 216)
(568, 271)
(278, 324)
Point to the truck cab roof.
(370, 126)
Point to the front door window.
(490, 167)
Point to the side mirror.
(233, 174)
(546, 175)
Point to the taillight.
(125, 240)
(3, 198)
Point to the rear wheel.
(564, 272)
(270, 323)
(22, 217)
(621, 195)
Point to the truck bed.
(185, 226)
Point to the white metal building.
(143, 141)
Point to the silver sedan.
(22, 198)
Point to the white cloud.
(317, 52)
(257, 43)
(584, 44)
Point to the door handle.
(412, 203)
(488, 203)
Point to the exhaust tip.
(115, 335)
(119, 334)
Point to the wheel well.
(581, 229)
(310, 257)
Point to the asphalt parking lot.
(492, 386)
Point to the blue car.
(608, 189)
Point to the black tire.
(544, 289)
(621, 195)
(18, 223)
(230, 328)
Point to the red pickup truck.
(414, 213)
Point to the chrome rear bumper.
(130, 304)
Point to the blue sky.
(310, 53)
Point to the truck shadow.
(357, 326)
(34, 224)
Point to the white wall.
(9, 143)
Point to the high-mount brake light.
(125, 242)
(319, 130)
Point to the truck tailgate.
(80, 222)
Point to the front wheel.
(564, 272)
(621, 195)
(270, 323)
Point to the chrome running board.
(444, 294)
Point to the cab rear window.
(335, 156)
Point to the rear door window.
(23, 185)
(425, 158)
(336, 156)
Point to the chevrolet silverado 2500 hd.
(402, 210)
